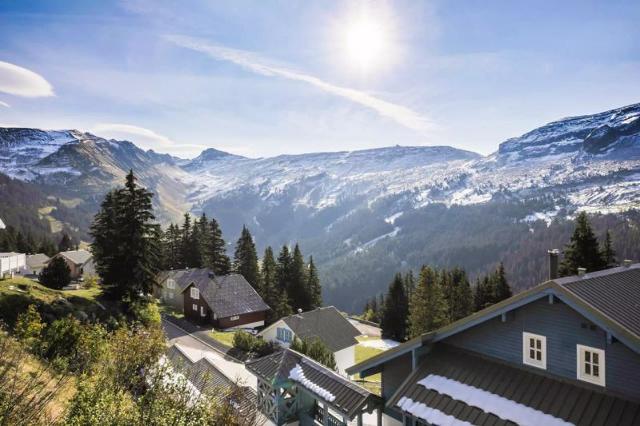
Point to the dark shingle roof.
(327, 324)
(209, 380)
(580, 405)
(37, 260)
(79, 257)
(231, 294)
(275, 369)
(615, 292)
(185, 277)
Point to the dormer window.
(534, 350)
(171, 284)
(590, 366)
(195, 294)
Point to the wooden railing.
(319, 413)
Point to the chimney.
(582, 271)
(299, 310)
(553, 263)
(627, 262)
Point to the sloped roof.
(615, 292)
(276, 369)
(79, 257)
(326, 324)
(186, 277)
(610, 298)
(37, 260)
(229, 295)
(564, 400)
(210, 380)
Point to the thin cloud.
(252, 62)
(4, 104)
(19, 81)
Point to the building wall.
(12, 263)
(345, 358)
(195, 316)
(270, 333)
(255, 319)
(172, 297)
(394, 373)
(564, 328)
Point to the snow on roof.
(431, 415)
(297, 375)
(489, 402)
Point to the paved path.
(197, 349)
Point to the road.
(197, 349)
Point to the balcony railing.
(319, 413)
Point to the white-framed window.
(203, 313)
(590, 365)
(534, 350)
(234, 318)
(284, 334)
(195, 294)
(195, 307)
(171, 284)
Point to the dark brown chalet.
(226, 301)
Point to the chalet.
(326, 324)
(11, 263)
(225, 301)
(564, 352)
(80, 263)
(35, 263)
(294, 389)
(204, 378)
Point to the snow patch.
(383, 344)
(431, 415)
(489, 402)
(297, 375)
(392, 219)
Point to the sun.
(366, 43)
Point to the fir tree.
(283, 271)
(458, 294)
(608, 254)
(216, 252)
(65, 243)
(126, 245)
(245, 260)
(56, 274)
(409, 284)
(394, 314)
(482, 293)
(583, 250)
(172, 247)
(428, 308)
(299, 294)
(269, 290)
(313, 285)
(502, 290)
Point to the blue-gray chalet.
(564, 352)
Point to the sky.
(264, 78)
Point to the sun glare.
(365, 42)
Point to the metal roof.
(615, 292)
(79, 257)
(185, 277)
(326, 324)
(36, 260)
(275, 369)
(581, 405)
(231, 294)
(211, 381)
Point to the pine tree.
(172, 247)
(245, 260)
(428, 308)
(269, 290)
(482, 293)
(502, 290)
(394, 314)
(583, 251)
(458, 294)
(216, 252)
(299, 294)
(56, 274)
(313, 285)
(65, 243)
(283, 271)
(126, 245)
(409, 284)
(608, 254)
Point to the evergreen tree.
(56, 274)
(65, 243)
(394, 314)
(299, 294)
(608, 254)
(409, 284)
(583, 250)
(313, 285)
(458, 294)
(283, 270)
(188, 251)
(172, 247)
(216, 252)
(269, 290)
(428, 308)
(502, 290)
(246, 259)
(482, 293)
(126, 245)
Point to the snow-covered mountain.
(346, 204)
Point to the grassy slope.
(363, 353)
(224, 337)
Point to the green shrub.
(316, 350)
(56, 274)
(243, 341)
(262, 348)
(29, 326)
(145, 312)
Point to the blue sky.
(264, 78)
